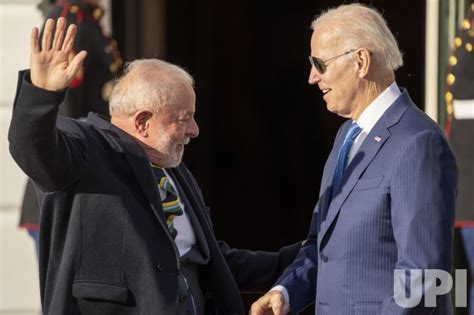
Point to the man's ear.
(142, 122)
(363, 60)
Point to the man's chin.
(331, 108)
(176, 158)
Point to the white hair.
(147, 83)
(359, 26)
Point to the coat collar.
(136, 157)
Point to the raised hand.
(271, 303)
(51, 66)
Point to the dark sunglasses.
(321, 65)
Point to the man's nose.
(314, 76)
(193, 128)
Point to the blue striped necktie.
(351, 134)
(169, 200)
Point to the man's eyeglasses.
(321, 65)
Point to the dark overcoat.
(104, 242)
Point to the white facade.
(19, 289)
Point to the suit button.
(159, 267)
(182, 298)
(324, 258)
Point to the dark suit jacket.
(394, 210)
(104, 244)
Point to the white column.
(431, 59)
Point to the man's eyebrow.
(185, 113)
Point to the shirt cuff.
(286, 296)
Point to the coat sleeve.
(300, 278)
(257, 270)
(52, 157)
(423, 191)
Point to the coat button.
(159, 267)
(182, 298)
(324, 258)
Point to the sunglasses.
(321, 65)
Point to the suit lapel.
(361, 161)
(141, 167)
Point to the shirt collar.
(377, 108)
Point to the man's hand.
(51, 66)
(272, 302)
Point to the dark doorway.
(265, 133)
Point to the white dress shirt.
(371, 115)
(367, 120)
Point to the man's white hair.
(147, 84)
(358, 26)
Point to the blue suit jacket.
(394, 210)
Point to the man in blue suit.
(388, 189)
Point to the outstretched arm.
(52, 157)
(257, 270)
(296, 287)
